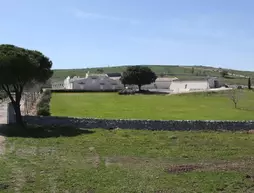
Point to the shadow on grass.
(42, 132)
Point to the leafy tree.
(100, 70)
(224, 73)
(138, 75)
(249, 83)
(192, 70)
(162, 74)
(19, 69)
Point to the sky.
(97, 33)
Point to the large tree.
(138, 75)
(19, 69)
(249, 83)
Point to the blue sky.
(93, 33)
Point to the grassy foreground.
(200, 106)
(99, 161)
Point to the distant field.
(128, 161)
(159, 70)
(182, 72)
(184, 107)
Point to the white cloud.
(96, 16)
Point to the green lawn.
(178, 107)
(103, 161)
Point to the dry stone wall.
(169, 125)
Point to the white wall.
(58, 86)
(185, 86)
(158, 85)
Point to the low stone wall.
(140, 124)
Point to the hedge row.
(43, 107)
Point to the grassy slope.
(129, 161)
(181, 72)
(190, 106)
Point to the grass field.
(102, 161)
(178, 107)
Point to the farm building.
(57, 85)
(178, 86)
(93, 82)
(160, 83)
(109, 81)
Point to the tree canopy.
(138, 75)
(21, 68)
(224, 73)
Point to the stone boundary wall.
(169, 125)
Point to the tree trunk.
(249, 83)
(139, 87)
(19, 120)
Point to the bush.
(43, 111)
(224, 73)
(43, 107)
(127, 92)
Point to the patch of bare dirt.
(2, 145)
(18, 179)
(95, 157)
(124, 161)
(129, 161)
(183, 168)
(226, 166)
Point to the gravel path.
(3, 113)
(2, 145)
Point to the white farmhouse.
(103, 82)
(93, 82)
(57, 85)
(178, 86)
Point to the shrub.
(127, 92)
(43, 107)
(43, 111)
(224, 73)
